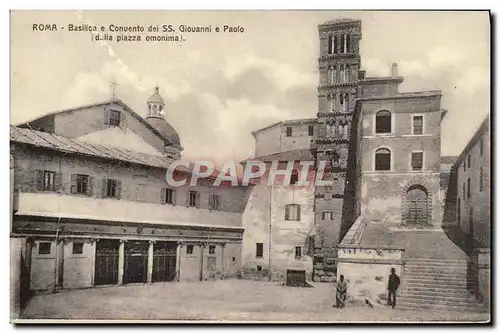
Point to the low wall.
(367, 269)
(483, 274)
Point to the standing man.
(392, 286)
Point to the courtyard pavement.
(229, 300)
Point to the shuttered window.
(292, 212)
(418, 125)
(214, 202)
(298, 251)
(194, 199)
(167, 196)
(383, 159)
(81, 184)
(46, 180)
(111, 188)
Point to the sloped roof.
(68, 145)
(291, 155)
(109, 102)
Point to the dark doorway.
(471, 223)
(136, 262)
(164, 261)
(106, 261)
(416, 198)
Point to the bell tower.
(156, 105)
(339, 72)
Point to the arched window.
(330, 46)
(383, 159)
(383, 122)
(333, 75)
(341, 74)
(342, 102)
(348, 43)
(342, 43)
(335, 44)
(346, 102)
(347, 74)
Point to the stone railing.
(354, 234)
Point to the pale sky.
(219, 87)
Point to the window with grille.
(382, 159)
(78, 248)
(259, 250)
(288, 131)
(418, 125)
(44, 248)
(292, 212)
(327, 215)
(417, 160)
(114, 118)
(383, 120)
(214, 202)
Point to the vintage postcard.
(250, 166)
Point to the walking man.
(392, 286)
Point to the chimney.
(394, 70)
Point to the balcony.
(82, 207)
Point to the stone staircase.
(437, 284)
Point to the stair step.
(440, 308)
(435, 291)
(434, 286)
(432, 298)
(431, 274)
(432, 278)
(438, 304)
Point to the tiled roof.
(64, 144)
(291, 155)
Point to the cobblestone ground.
(230, 300)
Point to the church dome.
(156, 97)
(165, 129)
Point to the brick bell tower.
(339, 72)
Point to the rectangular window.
(214, 202)
(481, 147)
(114, 118)
(44, 248)
(189, 249)
(468, 188)
(417, 160)
(259, 268)
(193, 198)
(469, 161)
(82, 183)
(327, 215)
(288, 131)
(259, 251)
(464, 165)
(211, 249)
(298, 251)
(310, 130)
(294, 178)
(292, 212)
(77, 248)
(481, 186)
(167, 196)
(463, 188)
(49, 180)
(418, 125)
(112, 188)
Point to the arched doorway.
(416, 205)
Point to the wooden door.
(417, 206)
(136, 262)
(164, 261)
(106, 262)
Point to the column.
(178, 258)
(202, 253)
(121, 261)
(223, 245)
(150, 261)
(59, 262)
(93, 244)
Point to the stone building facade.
(91, 204)
(472, 169)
